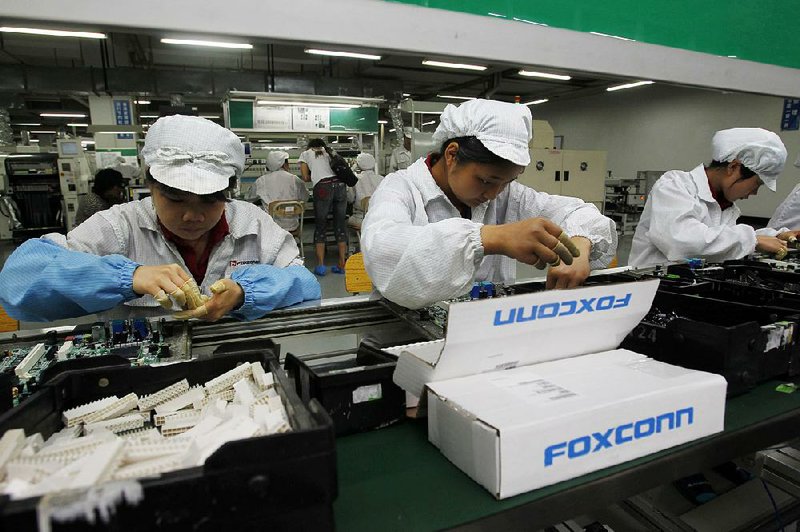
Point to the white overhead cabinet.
(577, 173)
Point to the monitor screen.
(68, 148)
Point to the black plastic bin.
(356, 389)
(276, 482)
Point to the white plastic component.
(117, 424)
(258, 374)
(63, 351)
(149, 468)
(72, 449)
(30, 360)
(101, 465)
(73, 416)
(117, 408)
(267, 381)
(234, 410)
(143, 435)
(173, 426)
(225, 395)
(204, 426)
(227, 379)
(243, 392)
(147, 402)
(33, 444)
(11, 445)
(187, 415)
(182, 401)
(140, 451)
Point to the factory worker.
(108, 190)
(186, 247)
(788, 212)
(401, 155)
(280, 185)
(368, 181)
(692, 214)
(459, 216)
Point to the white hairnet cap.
(192, 154)
(276, 159)
(759, 150)
(365, 161)
(504, 128)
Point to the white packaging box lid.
(508, 332)
(579, 414)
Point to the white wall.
(658, 127)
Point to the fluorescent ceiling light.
(462, 66)
(54, 33)
(142, 102)
(546, 75)
(33, 141)
(537, 102)
(630, 85)
(148, 116)
(210, 44)
(62, 115)
(77, 125)
(392, 130)
(447, 96)
(429, 123)
(120, 132)
(209, 116)
(334, 53)
(383, 121)
(308, 104)
(34, 124)
(85, 142)
(44, 132)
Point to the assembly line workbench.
(394, 479)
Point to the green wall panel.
(762, 31)
(358, 119)
(241, 114)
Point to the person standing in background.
(401, 155)
(280, 185)
(108, 190)
(368, 181)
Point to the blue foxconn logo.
(619, 435)
(560, 308)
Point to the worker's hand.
(790, 237)
(162, 282)
(772, 245)
(536, 241)
(228, 295)
(572, 275)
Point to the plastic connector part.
(100, 466)
(148, 402)
(117, 424)
(30, 360)
(244, 392)
(11, 445)
(182, 401)
(140, 451)
(161, 419)
(76, 415)
(116, 409)
(227, 379)
(148, 468)
(63, 351)
(258, 373)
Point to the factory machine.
(74, 173)
(35, 189)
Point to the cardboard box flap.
(508, 332)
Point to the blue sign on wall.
(124, 117)
(791, 113)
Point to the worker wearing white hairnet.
(280, 185)
(459, 216)
(187, 248)
(368, 181)
(401, 155)
(788, 212)
(692, 214)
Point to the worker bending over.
(174, 249)
(692, 214)
(459, 216)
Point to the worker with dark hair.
(108, 189)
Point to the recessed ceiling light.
(335, 53)
(210, 44)
(545, 75)
(629, 85)
(54, 33)
(462, 66)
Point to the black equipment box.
(746, 344)
(356, 389)
(275, 482)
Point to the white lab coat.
(682, 220)
(400, 159)
(788, 213)
(280, 185)
(419, 250)
(368, 182)
(131, 229)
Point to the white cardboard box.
(508, 332)
(517, 430)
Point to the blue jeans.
(330, 194)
